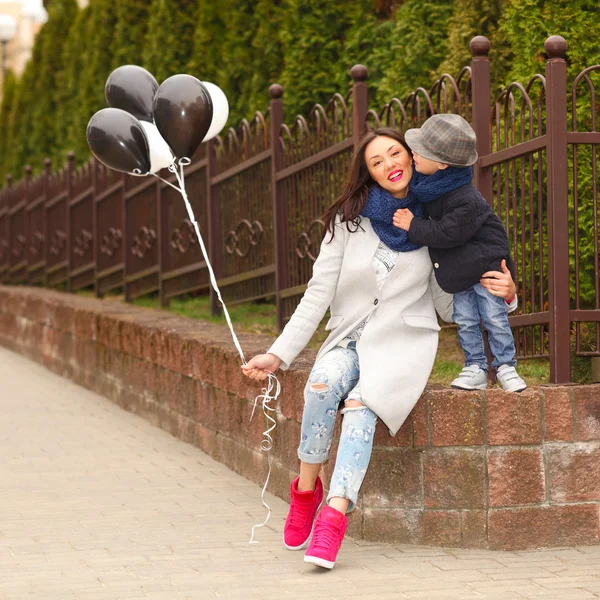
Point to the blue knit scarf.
(427, 188)
(380, 209)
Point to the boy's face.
(426, 166)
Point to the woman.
(382, 296)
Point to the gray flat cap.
(444, 138)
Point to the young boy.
(465, 239)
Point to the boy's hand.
(403, 218)
(258, 367)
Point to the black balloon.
(117, 140)
(131, 88)
(183, 113)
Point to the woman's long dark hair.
(356, 189)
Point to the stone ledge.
(467, 469)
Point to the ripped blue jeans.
(334, 378)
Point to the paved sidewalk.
(95, 503)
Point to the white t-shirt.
(384, 261)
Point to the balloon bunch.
(150, 127)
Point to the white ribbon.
(267, 442)
(266, 396)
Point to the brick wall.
(471, 469)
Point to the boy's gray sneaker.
(472, 377)
(509, 379)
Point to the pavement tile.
(96, 503)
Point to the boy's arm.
(459, 223)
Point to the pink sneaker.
(303, 508)
(328, 534)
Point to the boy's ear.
(442, 166)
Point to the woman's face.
(389, 164)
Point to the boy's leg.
(466, 316)
(502, 344)
(494, 315)
(467, 319)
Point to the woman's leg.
(330, 380)
(308, 476)
(332, 377)
(353, 455)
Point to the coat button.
(436, 265)
(375, 302)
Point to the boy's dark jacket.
(465, 238)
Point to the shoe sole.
(481, 386)
(301, 546)
(319, 562)
(517, 390)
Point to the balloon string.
(167, 182)
(273, 389)
(266, 444)
(213, 279)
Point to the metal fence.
(259, 192)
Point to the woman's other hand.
(499, 283)
(402, 218)
(259, 366)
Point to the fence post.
(280, 229)
(26, 223)
(96, 241)
(47, 175)
(360, 102)
(213, 217)
(4, 237)
(9, 182)
(162, 234)
(70, 170)
(558, 210)
(481, 92)
(125, 239)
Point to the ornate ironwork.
(57, 243)
(305, 240)
(83, 243)
(183, 237)
(143, 242)
(37, 243)
(19, 247)
(254, 232)
(111, 241)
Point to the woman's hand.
(258, 366)
(402, 218)
(499, 283)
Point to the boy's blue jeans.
(335, 378)
(477, 304)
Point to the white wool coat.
(398, 345)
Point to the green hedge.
(244, 46)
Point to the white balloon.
(220, 110)
(160, 154)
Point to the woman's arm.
(309, 313)
(500, 283)
(496, 282)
